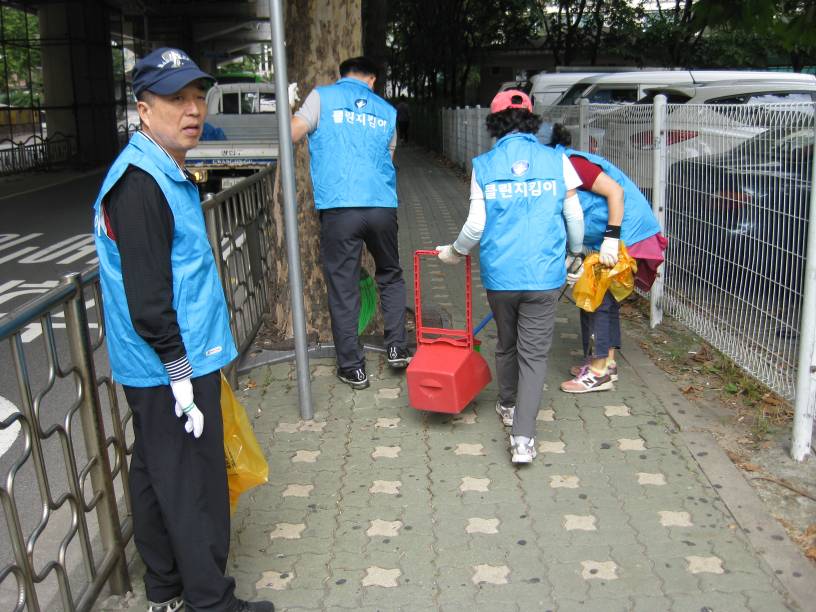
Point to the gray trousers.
(524, 321)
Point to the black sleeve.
(143, 227)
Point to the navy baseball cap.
(165, 71)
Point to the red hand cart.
(446, 373)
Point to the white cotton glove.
(448, 254)
(609, 252)
(572, 277)
(293, 94)
(185, 404)
(575, 268)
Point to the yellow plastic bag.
(598, 279)
(246, 465)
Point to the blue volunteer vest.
(638, 222)
(523, 245)
(198, 298)
(351, 164)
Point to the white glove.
(185, 404)
(569, 262)
(575, 267)
(609, 252)
(448, 254)
(293, 94)
(572, 277)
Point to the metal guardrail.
(89, 493)
(90, 433)
(732, 187)
(35, 152)
(239, 225)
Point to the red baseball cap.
(512, 98)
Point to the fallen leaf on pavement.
(769, 398)
(810, 553)
(750, 467)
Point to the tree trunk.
(319, 35)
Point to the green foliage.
(786, 26)
(20, 58)
(434, 45)
(247, 63)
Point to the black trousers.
(343, 231)
(178, 487)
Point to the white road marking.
(9, 434)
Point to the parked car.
(548, 87)
(703, 120)
(738, 220)
(629, 87)
(520, 85)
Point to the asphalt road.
(45, 233)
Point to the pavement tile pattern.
(617, 516)
(377, 506)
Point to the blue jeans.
(604, 324)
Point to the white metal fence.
(732, 187)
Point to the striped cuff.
(179, 369)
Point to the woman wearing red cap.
(524, 212)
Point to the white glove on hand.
(575, 268)
(609, 252)
(572, 277)
(185, 404)
(448, 254)
(569, 262)
(293, 94)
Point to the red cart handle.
(456, 337)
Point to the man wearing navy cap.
(168, 336)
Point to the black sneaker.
(355, 378)
(398, 358)
(254, 606)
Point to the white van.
(629, 87)
(548, 87)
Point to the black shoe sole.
(399, 364)
(354, 384)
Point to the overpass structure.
(64, 87)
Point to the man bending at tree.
(351, 141)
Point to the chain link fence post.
(93, 435)
(659, 116)
(583, 128)
(805, 406)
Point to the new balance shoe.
(522, 449)
(506, 413)
(171, 605)
(355, 378)
(611, 369)
(398, 358)
(588, 381)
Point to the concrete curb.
(771, 542)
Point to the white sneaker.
(173, 605)
(523, 449)
(506, 413)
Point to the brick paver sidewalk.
(376, 506)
